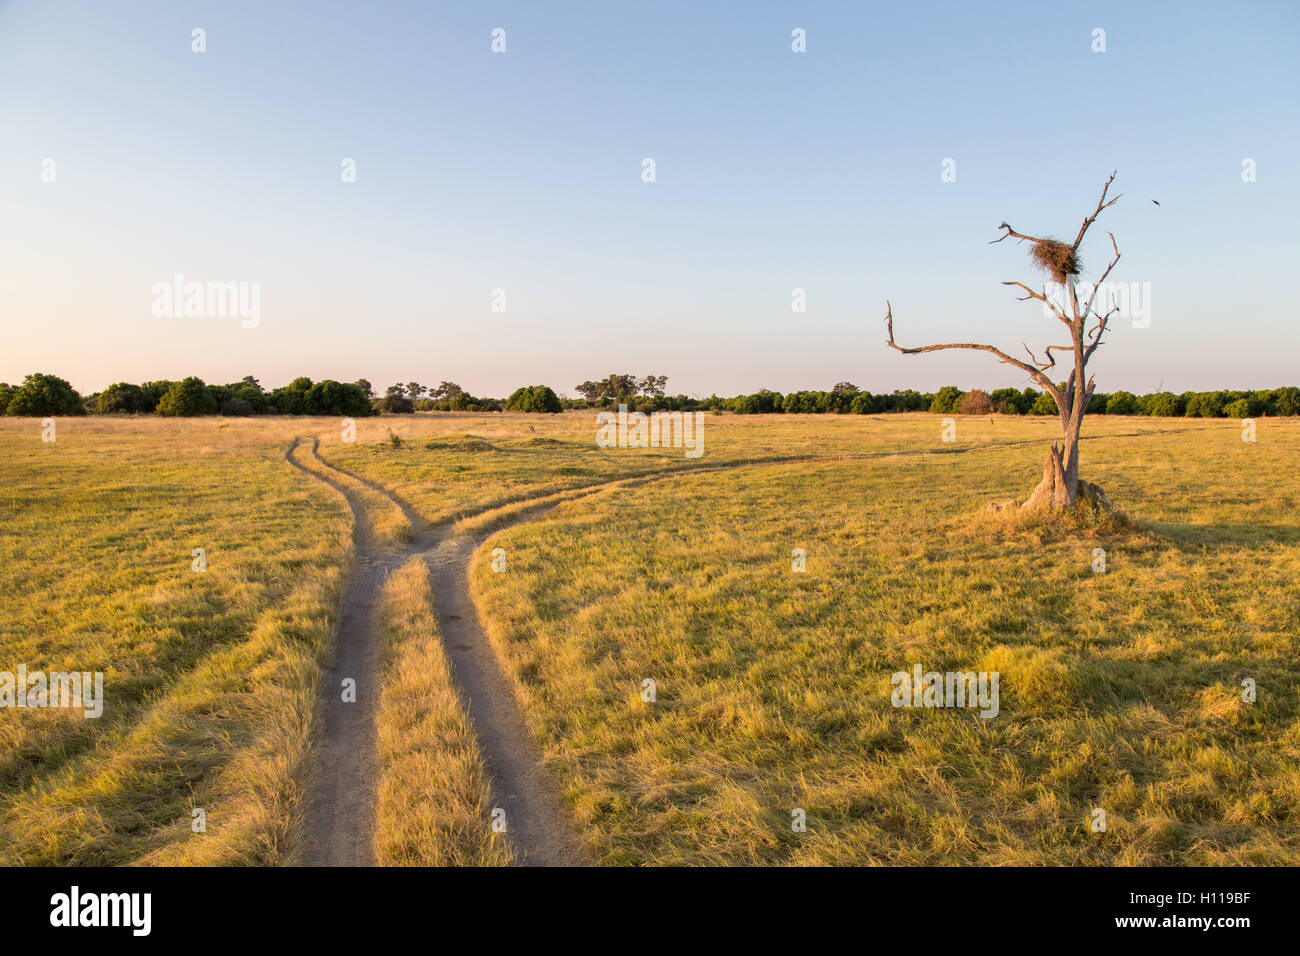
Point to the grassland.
(1119, 690)
(208, 675)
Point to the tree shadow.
(1200, 536)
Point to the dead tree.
(1060, 485)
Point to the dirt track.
(338, 826)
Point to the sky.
(874, 166)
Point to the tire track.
(337, 829)
(337, 826)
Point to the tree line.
(42, 395)
(846, 398)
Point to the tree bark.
(1059, 487)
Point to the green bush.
(235, 408)
(187, 398)
(120, 397)
(1163, 405)
(1045, 404)
(534, 398)
(1238, 409)
(946, 399)
(43, 395)
(1121, 403)
(864, 403)
(1010, 401)
(329, 397)
(1205, 405)
(1284, 401)
(152, 393)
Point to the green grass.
(1118, 691)
(209, 676)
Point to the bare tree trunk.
(1059, 486)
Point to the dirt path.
(341, 789)
(538, 824)
(338, 824)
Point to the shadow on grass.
(1200, 536)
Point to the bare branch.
(1050, 361)
(1097, 333)
(1100, 282)
(1041, 297)
(1101, 204)
(1011, 233)
(1060, 348)
(1002, 356)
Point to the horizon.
(571, 394)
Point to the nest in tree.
(1055, 258)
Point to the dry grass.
(433, 807)
(209, 677)
(1119, 690)
(388, 524)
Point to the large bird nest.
(1056, 259)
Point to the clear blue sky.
(522, 171)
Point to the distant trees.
(152, 393)
(1164, 404)
(534, 398)
(395, 403)
(41, 395)
(1010, 401)
(1044, 404)
(120, 397)
(945, 400)
(186, 398)
(1013, 401)
(654, 385)
(1118, 403)
(975, 402)
(620, 387)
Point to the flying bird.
(1155, 202)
